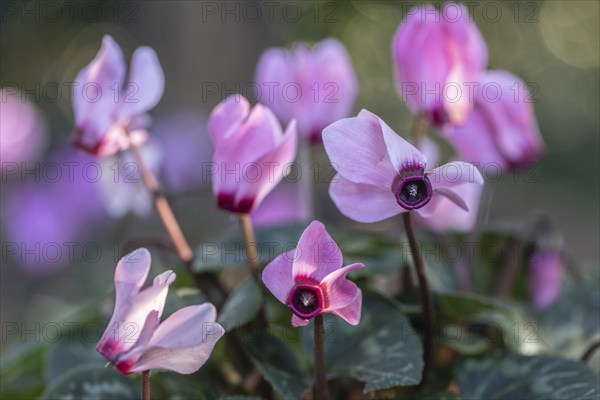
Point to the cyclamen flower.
(502, 128)
(251, 154)
(135, 339)
(438, 57)
(315, 86)
(545, 270)
(310, 279)
(379, 174)
(107, 107)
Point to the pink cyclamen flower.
(438, 57)
(545, 277)
(315, 86)
(252, 154)
(310, 279)
(502, 128)
(135, 339)
(379, 174)
(107, 106)
(447, 216)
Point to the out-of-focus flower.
(502, 128)
(379, 174)
(310, 279)
(251, 155)
(438, 58)
(447, 216)
(545, 277)
(177, 133)
(48, 215)
(22, 130)
(123, 189)
(284, 205)
(314, 86)
(108, 107)
(135, 339)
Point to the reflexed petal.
(357, 150)
(183, 342)
(340, 291)
(226, 117)
(263, 174)
(130, 274)
(145, 85)
(317, 255)
(363, 202)
(277, 276)
(273, 71)
(93, 100)
(352, 312)
(297, 321)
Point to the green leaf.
(278, 365)
(460, 306)
(93, 382)
(21, 368)
(383, 350)
(511, 376)
(241, 306)
(68, 353)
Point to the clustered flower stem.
(165, 213)
(322, 392)
(426, 300)
(146, 385)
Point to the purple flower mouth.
(306, 301)
(412, 192)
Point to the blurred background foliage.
(553, 45)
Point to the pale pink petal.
(262, 175)
(183, 342)
(226, 117)
(430, 151)
(317, 255)
(93, 99)
(130, 274)
(363, 202)
(340, 291)
(288, 203)
(273, 73)
(277, 276)
(357, 150)
(297, 321)
(352, 312)
(145, 84)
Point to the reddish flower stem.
(146, 385)
(203, 281)
(322, 392)
(426, 300)
(587, 355)
(251, 246)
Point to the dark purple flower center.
(412, 192)
(306, 301)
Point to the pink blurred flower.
(545, 277)
(107, 107)
(502, 128)
(437, 56)
(380, 175)
(23, 133)
(251, 155)
(285, 204)
(315, 86)
(447, 216)
(310, 279)
(135, 339)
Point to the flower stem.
(587, 355)
(165, 213)
(146, 385)
(419, 129)
(322, 392)
(426, 300)
(251, 246)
